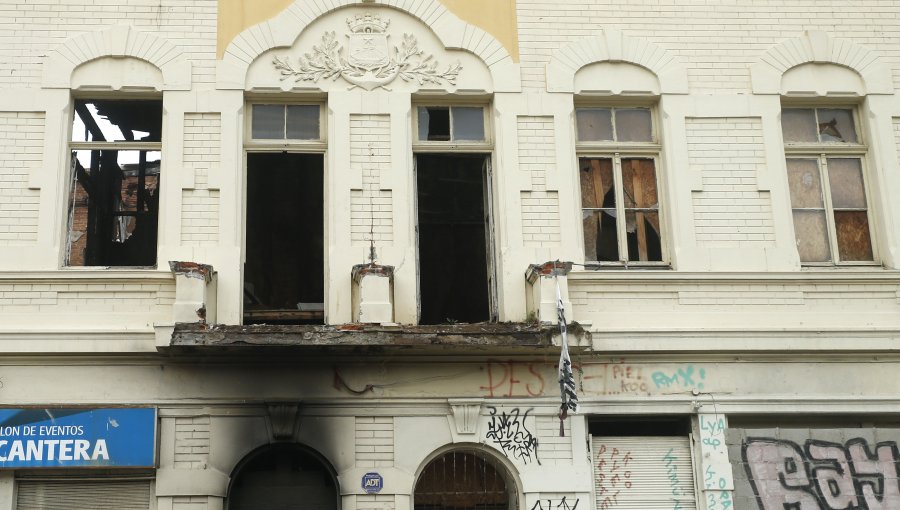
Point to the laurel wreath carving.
(325, 62)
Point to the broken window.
(284, 269)
(619, 191)
(453, 217)
(826, 179)
(113, 208)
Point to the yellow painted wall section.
(496, 17)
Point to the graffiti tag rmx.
(562, 504)
(684, 377)
(822, 474)
(508, 431)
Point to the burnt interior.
(114, 201)
(453, 248)
(284, 270)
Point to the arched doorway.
(283, 477)
(465, 479)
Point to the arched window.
(281, 477)
(463, 480)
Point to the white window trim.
(316, 146)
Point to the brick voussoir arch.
(283, 30)
(818, 47)
(117, 41)
(613, 46)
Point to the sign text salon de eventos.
(77, 437)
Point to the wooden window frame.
(293, 145)
(617, 151)
(821, 152)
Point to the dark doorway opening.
(453, 231)
(284, 268)
(283, 477)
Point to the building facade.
(311, 254)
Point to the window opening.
(113, 211)
(451, 124)
(619, 186)
(463, 480)
(453, 238)
(283, 477)
(285, 269)
(826, 178)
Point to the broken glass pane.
(593, 124)
(804, 183)
(434, 124)
(468, 123)
(601, 243)
(117, 121)
(854, 243)
(597, 183)
(642, 232)
(836, 125)
(634, 125)
(798, 125)
(639, 182)
(846, 183)
(267, 122)
(812, 236)
(303, 122)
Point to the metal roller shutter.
(74, 494)
(643, 473)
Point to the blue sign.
(61, 438)
(372, 483)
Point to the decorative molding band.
(283, 30)
(613, 46)
(820, 48)
(117, 41)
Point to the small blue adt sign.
(372, 483)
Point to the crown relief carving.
(369, 61)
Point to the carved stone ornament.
(283, 418)
(465, 414)
(369, 61)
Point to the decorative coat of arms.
(370, 61)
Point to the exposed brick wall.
(192, 442)
(729, 153)
(372, 216)
(21, 148)
(537, 155)
(374, 441)
(29, 29)
(715, 40)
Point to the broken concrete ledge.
(505, 337)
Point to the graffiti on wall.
(505, 378)
(508, 431)
(553, 504)
(613, 475)
(823, 475)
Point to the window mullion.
(829, 208)
(621, 235)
